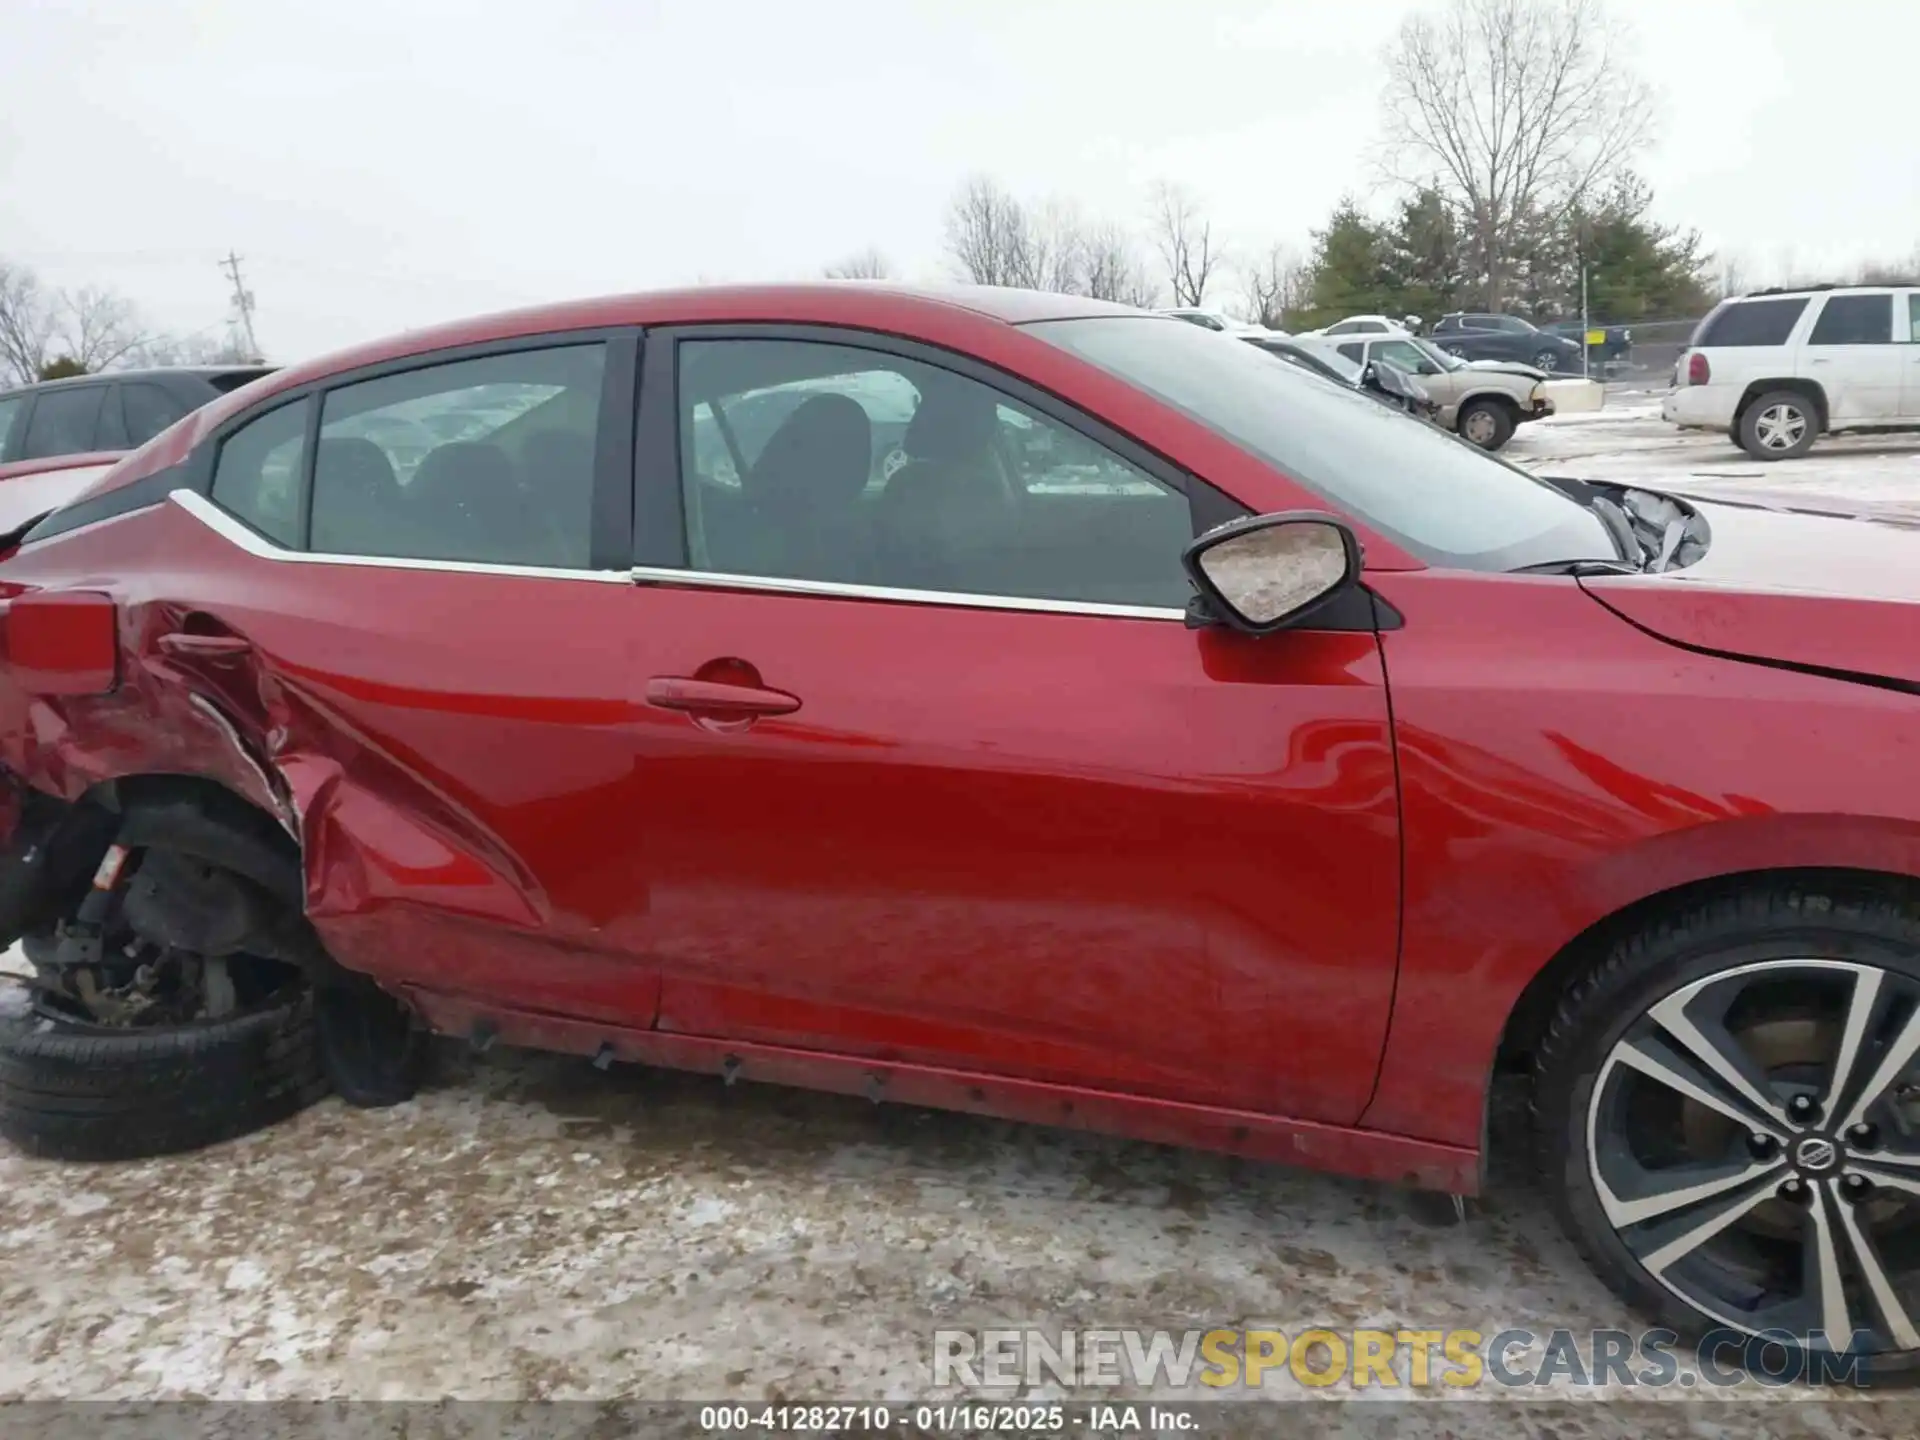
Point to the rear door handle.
(717, 699)
(182, 642)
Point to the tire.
(1779, 425)
(1486, 423)
(80, 1092)
(373, 1053)
(1769, 980)
(1547, 360)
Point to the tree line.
(1510, 132)
(50, 333)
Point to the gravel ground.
(530, 1229)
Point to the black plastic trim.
(610, 529)
(659, 506)
(147, 490)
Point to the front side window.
(257, 474)
(1403, 353)
(1449, 503)
(828, 462)
(1913, 337)
(63, 422)
(1854, 320)
(488, 460)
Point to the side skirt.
(1366, 1154)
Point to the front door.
(937, 773)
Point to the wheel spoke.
(1866, 993)
(1642, 1208)
(1899, 1054)
(1822, 1272)
(1711, 1224)
(1902, 1172)
(1893, 1314)
(1724, 1060)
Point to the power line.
(242, 305)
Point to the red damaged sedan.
(991, 700)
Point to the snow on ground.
(1628, 441)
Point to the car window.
(884, 470)
(1343, 327)
(12, 407)
(1354, 351)
(148, 410)
(63, 422)
(1854, 320)
(1447, 502)
(1403, 353)
(487, 460)
(1371, 327)
(1913, 337)
(257, 474)
(110, 431)
(1750, 322)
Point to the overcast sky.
(381, 164)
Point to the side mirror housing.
(1268, 572)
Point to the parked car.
(1367, 325)
(1779, 368)
(109, 413)
(30, 488)
(1385, 381)
(1269, 785)
(1482, 400)
(1205, 319)
(1615, 342)
(1505, 337)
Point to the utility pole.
(242, 320)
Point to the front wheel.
(1487, 423)
(1547, 360)
(1725, 1120)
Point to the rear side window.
(1354, 352)
(11, 409)
(148, 410)
(1751, 322)
(63, 422)
(1854, 320)
(111, 432)
(488, 460)
(257, 477)
(1913, 336)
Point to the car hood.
(1508, 367)
(1813, 590)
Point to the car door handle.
(717, 699)
(183, 642)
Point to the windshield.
(1439, 357)
(1447, 501)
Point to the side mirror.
(1270, 571)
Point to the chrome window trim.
(257, 545)
(834, 589)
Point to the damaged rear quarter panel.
(451, 748)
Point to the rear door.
(1851, 352)
(411, 588)
(935, 773)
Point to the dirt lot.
(530, 1228)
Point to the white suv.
(1777, 368)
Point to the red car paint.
(1277, 896)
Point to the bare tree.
(867, 264)
(27, 324)
(97, 328)
(987, 234)
(197, 349)
(1184, 237)
(1111, 270)
(1514, 110)
(1275, 285)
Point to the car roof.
(1822, 289)
(154, 372)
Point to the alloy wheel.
(1546, 360)
(1779, 427)
(1749, 1141)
